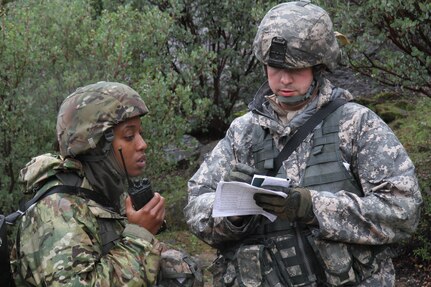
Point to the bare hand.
(150, 216)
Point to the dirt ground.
(410, 273)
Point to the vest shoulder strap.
(73, 190)
(303, 131)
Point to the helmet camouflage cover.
(91, 110)
(300, 34)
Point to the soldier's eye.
(129, 138)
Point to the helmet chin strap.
(295, 100)
(311, 92)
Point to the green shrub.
(48, 49)
(414, 132)
(390, 40)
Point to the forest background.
(192, 63)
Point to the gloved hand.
(240, 172)
(296, 206)
(243, 173)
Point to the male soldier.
(353, 187)
(79, 235)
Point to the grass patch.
(415, 133)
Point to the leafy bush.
(211, 52)
(48, 49)
(390, 40)
(192, 62)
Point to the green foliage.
(422, 244)
(48, 49)
(186, 241)
(414, 132)
(192, 62)
(211, 52)
(172, 187)
(390, 40)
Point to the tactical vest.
(325, 169)
(290, 245)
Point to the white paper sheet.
(236, 198)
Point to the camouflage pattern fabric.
(387, 213)
(89, 111)
(177, 268)
(314, 44)
(60, 244)
(44, 166)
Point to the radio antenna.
(120, 150)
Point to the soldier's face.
(128, 138)
(289, 82)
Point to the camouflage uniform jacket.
(387, 213)
(60, 242)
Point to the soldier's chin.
(293, 107)
(138, 171)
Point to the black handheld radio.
(139, 190)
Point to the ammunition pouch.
(250, 266)
(295, 257)
(336, 260)
(278, 256)
(348, 264)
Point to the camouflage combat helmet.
(296, 35)
(87, 113)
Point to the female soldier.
(81, 238)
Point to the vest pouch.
(246, 266)
(364, 261)
(223, 271)
(218, 270)
(336, 260)
(249, 258)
